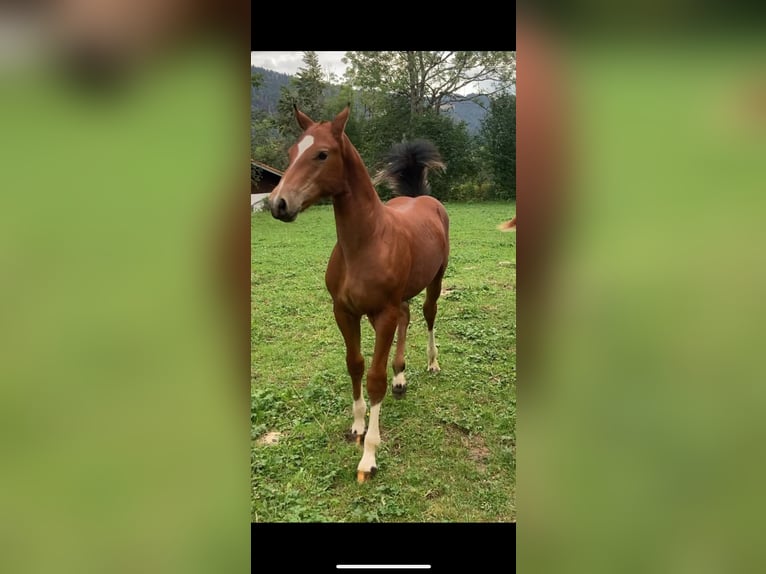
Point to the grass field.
(448, 448)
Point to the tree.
(393, 124)
(306, 91)
(429, 80)
(265, 143)
(455, 146)
(390, 124)
(499, 136)
(335, 101)
(256, 173)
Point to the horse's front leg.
(384, 324)
(350, 329)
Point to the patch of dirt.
(270, 438)
(505, 263)
(477, 450)
(394, 446)
(458, 428)
(473, 443)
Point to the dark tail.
(407, 166)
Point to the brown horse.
(385, 253)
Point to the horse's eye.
(322, 155)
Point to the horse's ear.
(339, 123)
(303, 120)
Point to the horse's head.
(316, 167)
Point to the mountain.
(470, 112)
(266, 97)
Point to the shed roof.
(266, 167)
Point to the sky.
(289, 62)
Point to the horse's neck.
(358, 209)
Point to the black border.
(319, 547)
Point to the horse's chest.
(364, 291)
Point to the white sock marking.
(360, 408)
(399, 380)
(433, 364)
(371, 440)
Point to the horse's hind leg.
(351, 330)
(399, 385)
(429, 312)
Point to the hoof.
(434, 368)
(398, 391)
(362, 476)
(353, 436)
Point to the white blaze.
(371, 440)
(303, 145)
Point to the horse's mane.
(407, 166)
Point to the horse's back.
(427, 224)
(420, 210)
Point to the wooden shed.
(263, 179)
(267, 177)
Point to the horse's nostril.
(279, 209)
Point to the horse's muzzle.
(279, 211)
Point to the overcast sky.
(289, 62)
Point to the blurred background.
(641, 144)
(640, 174)
(123, 369)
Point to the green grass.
(448, 451)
